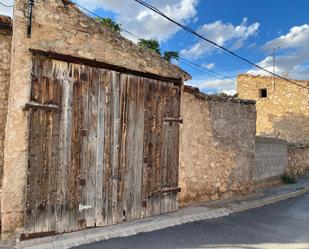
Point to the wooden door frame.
(101, 64)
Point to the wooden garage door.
(103, 147)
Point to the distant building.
(282, 107)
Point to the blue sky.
(250, 28)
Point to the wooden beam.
(101, 64)
(36, 235)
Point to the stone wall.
(58, 26)
(298, 162)
(5, 62)
(217, 142)
(271, 157)
(284, 113)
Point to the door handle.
(83, 207)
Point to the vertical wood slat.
(107, 187)
(123, 153)
(130, 150)
(64, 208)
(54, 153)
(115, 110)
(175, 142)
(133, 151)
(166, 152)
(100, 157)
(92, 147)
(76, 154)
(84, 79)
(138, 144)
(152, 168)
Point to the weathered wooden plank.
(107, 170)
(122, 170)
(76, 148)
(92, 147)
(83, 81)
(167, 127)
(148, 147)
(63, 196)
(33, 150)
(115, 109)
(42, 220)
(32, 171)
(155, 171)
(133, 148)
(170, 147)
(54, 156)
(138, 145)
(130, 149)
(176, 96)
(99, 201)
(152, 157)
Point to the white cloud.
(144, 22)
(7, 11)
(292, 54)
(225, 34)
(213, 85)
(209, 66)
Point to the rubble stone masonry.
(298, 162)
(217, 141)
(282, 107)
(5, 60)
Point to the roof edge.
(213, 97)
(270, 77)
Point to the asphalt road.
(284, 225)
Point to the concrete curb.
(70, 240)
(268, 200)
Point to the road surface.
(284, 225)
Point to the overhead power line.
(6, 5)
(190, 30)
(182, 60)
(202, 68)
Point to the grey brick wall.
(271, 157)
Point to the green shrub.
(288, 179)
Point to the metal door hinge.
(169, 119)
(36, 106)
(170, 190)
